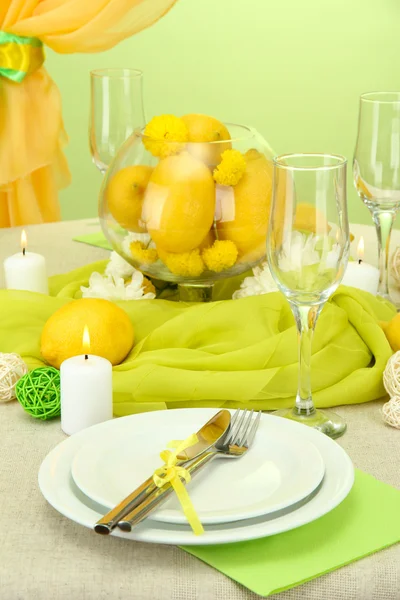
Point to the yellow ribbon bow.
(172, 473)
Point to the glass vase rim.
(124, 73)
(340, 161)
(251, 133)
(374, 97)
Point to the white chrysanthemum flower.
(333, 257)
(144, 238)
(113, 288)
(298, 251)
(261, 283)
(118, 267)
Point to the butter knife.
(207, 436)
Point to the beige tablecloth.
(43, 556)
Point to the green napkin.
(227, 353)
(94, 239)
(365, 522)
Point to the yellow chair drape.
(32, 135)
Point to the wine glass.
(376, 168)
(308, 246)
(116, 110)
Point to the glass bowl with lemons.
(187, 200)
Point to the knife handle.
(107, 523)
(135, 516)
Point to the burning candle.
(360, 274)
(86, 389)
(26, 270)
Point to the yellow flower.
(148, 287)
(222, 255)
(142, 254)
(185, 264)
(231, 168)
(161, 132)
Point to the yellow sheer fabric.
(32, 135)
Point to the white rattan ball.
(12, 368)
(391, 412)
(391, 376)
(395, 267)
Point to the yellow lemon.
(243, 211)
(208, 240)
(392, 331)
(203, 130)
(125, 192)
(309, 218)
(178, 206)
(110, 330)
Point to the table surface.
(45, 556)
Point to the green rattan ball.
(38, 392)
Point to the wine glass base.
(325, 421)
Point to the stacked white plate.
(291, 476)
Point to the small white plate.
(57, 486)
(278, 471)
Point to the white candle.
(86, 390)
(360, 274)
(26, 270)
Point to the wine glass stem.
(384, 224)
(306, 318)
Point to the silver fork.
(234, 444)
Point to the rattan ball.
(391, 376)
(38, 392)
(395, 267)
(12, 368)
(391, 412)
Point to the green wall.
(293, 69)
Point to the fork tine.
(235, 416)
(236, 427)
(253, 430)
(235, 441)
(245, 429)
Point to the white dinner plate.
(281, 469)
(59, 489)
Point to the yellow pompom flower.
(143, 255)
(184, 264)
(231, 168)
(161, 132)
(222, 255)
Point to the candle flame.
(86, 340)
(360, 249)
(24, 240)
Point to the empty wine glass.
(308, 247)
(116, 110)
(376, 168)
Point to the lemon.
(203, 128)
(309, 218)
(243, 210)
(392, 331)
(110, 330)
(125, 192)
(178, 206)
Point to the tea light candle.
(86, 390)
(26, 270)
(360, 274)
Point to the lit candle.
(26, 270)
(360, 274)
(86, 390)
